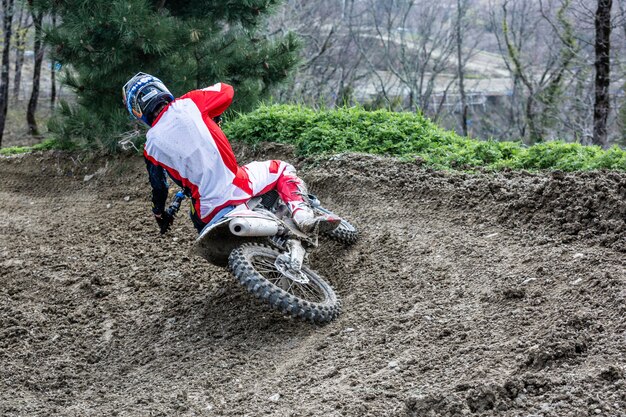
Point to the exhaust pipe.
(253, 227)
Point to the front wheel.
(315, 300)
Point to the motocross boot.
(307, 222)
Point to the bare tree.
(620, 16)
(21, 33)
(8, 9)
(37, 16)
(330, 61)
(408, 45)
(462, 29)
(515, 68)
(619, 51)
(541, 71)
(603, 71)
(53, 70)
(460, 12)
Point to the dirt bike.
(267, 253)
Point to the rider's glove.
(164, 220)
(218, 120)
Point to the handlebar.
(175, 206)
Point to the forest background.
(522, 70)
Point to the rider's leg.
(279, 175)
(293, 192)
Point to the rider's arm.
(158, 181)
(214, 100)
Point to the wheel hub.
(284, 267)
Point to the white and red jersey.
(191, 147)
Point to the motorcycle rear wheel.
(345, 233)
(253, 265)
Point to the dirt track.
(466, 295)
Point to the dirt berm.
(467, 294)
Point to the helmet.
(142, 96)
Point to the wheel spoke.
(270, 272)
(280, 281)
(303, 290)
(309, 292)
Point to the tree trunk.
(461, 69)
(622, 12)
(8, 9)
(34, 97)
(536, 135)
(603, 72)
(20, 47)
(17, 77)
(53, 84)
(53, 72)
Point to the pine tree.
(188, 44)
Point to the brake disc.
(284, 267)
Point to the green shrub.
(355, 129)
(408, 135)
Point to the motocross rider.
(185, 140)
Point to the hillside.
(500, 294)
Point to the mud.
(468, 294)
